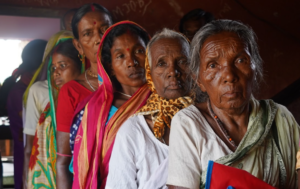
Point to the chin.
(138, 83)
(238, 103)
(173, 94)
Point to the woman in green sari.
(63, 66)
(230, 126)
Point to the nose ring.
(135, 62)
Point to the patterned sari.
(94, 140)
(42, 164)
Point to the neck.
(129, 90)
(234, 118)
(94, 68)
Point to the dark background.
(276, 23)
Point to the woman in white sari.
(230, 126)
(140, 153)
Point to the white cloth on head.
(136, 155)
(38, 98)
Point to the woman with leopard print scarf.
(140, 153)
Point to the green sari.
(269, 147)
(42, 164)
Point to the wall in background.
(276, 24)
(19, 27)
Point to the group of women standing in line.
(108, 119)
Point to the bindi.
(127, 49)
(95, 22)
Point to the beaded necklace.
(220, 124)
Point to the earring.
(82, 59)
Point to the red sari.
(94, 142)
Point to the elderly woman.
(141, 144)
(231, 127)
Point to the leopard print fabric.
(161, 110)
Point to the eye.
(119, 56)
(160, 64)
(182, 62)
(62, 65)
(212, 65)
(53, 68)
(140, 51)
(241, 60)
(87, 34)
(103, 29)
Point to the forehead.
(90, 17)
(224, 41)
(126, 38)
(57, 56)
(168, 45)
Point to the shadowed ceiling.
(276, 23)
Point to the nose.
(229, 74)
(173, 71)
(56, 73)
(132, 61)
(98, 39)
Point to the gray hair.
(245, 33)
(166, 33)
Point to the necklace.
(124, 94)
(89, 82)
(90, 73)
(220, 124)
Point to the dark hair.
(196, 14)
(32, 55)
(66, 48)
(82, 11)
(64, 16)
(109, 40)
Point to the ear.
(77, 45)
(202, 87)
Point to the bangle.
(298, 160)
(65, 155)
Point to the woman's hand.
(63, 176)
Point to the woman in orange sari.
(122, 91)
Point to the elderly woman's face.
(168, 69)
(226, 73)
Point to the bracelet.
(65, 155)
(298, 160)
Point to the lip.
(136, 74)
(58, 82)
(174, 85)
(231, 94)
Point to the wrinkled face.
(128, 60)
(169, 67)
(226, 72)
(64, 69)
(190, 27)
(90, 30)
